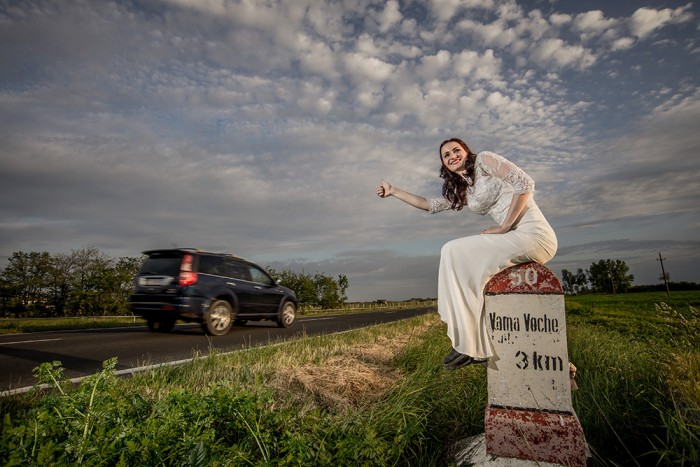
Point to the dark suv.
(213, 289)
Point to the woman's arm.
(521, 182)
(517, 206)
(385, 189)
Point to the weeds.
(375, 396)
(639, 377)
(680, 441)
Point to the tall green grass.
(638, 360)
(375, 396)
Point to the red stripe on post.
(526, 278)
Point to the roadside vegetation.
(88, 282)
(374, 396)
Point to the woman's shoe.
(462, 361)
(459, 362)
(450, 357)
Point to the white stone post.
(529, 414)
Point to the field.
(375, 396)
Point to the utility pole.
(663, 273)
(612, 279)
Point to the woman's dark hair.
(455, 186)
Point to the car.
(216, 290)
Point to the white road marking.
(27, 342)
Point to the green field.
(375, 396)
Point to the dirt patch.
(359, 376)
(341, 383)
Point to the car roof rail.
(193, 250)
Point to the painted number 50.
(528, 276)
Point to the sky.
(262, 127)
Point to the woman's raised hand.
(383, 189)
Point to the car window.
(259, 276)
(237, 270)
(213, 265)
(162, 265)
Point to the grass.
(374, 396)
(633, 314)
(638, 357)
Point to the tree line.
(88, 282)
(605, 276)
(612, 276)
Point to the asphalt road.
(82, 352)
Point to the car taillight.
(187, 277)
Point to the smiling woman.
(487, 184)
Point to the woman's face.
(453, 156)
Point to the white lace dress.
(467, 264)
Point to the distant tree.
(574, 283)
(610, 276)
(343, 284)
(59, 284)
(580, 281)
(302, 285)
(86, 282)
(115, 283)
(327, 291)
(315, 290)
(568, 280)
(87, 287)
(25, 282)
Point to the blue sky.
(262, 127)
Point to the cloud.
(622, 43)
(390, 16)
(445, 10)
(593, 23)
(645, 21)
(361, 67)
(638, 179)
(556, 52)
(558, 19)
(262, 127)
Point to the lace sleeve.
(499, 166)
(438, 204)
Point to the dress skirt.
(466, 266)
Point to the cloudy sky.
(261, 127)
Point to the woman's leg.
(466, 265)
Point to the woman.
(487, 184)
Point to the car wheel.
(162, 325)
(219, 319)
(287, 315)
